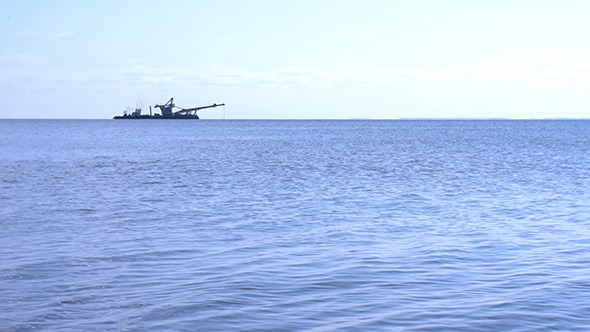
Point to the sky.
(304, 59)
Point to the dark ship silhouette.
(167, 112)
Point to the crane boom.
(194, 109)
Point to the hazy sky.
(297, 59)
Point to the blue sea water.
(407, 225)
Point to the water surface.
(295, 225)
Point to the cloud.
(27, 33)
(544, 74)
(64, 34)
(541, 73)
(18, 58)
(42, 33)
(535, 72)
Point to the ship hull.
(156, 117)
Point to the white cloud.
(64, 34)
(538, 72)
(18, 58)
(26, 33)
(544, 74)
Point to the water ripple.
(295, 225)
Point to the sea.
(295, 225)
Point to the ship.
(167, 112)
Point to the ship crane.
(193, 111)
(167, 108)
